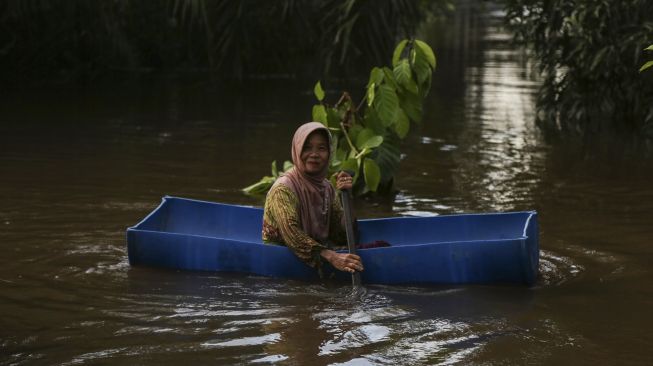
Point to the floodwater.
(77, 167)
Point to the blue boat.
(450, 249)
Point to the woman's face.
(315, 153)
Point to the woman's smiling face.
(315, 153)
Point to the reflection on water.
(78, 167)
(408, 205)
(500, 156)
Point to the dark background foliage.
(589, 53)
(80, 40)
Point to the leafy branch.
(367, 135)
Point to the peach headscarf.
(313, 191)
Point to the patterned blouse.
(281, 225)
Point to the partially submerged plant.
(367, 135)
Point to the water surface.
(78, 167)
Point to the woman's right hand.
(343, 261)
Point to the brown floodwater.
(77, 167)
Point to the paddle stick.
(349, 228)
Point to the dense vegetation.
(589, 54)
(74, 40)
(648, 64)
(367, 134)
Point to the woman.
(302, 210)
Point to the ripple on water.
(355, 338)
(410, 205)
(245, 341)
(270, 359)
(556, 269)
(94, 356)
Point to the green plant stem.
(360, 105)
(344, 131)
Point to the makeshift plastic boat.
(452, 249)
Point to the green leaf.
(421, 66)
(260, 187)
(333, 118)
(649, 48)
(646, 66)
(402, 124)
(362, 137)
(372, 121)
(367, 140)
(396, 55)
(376, 76)
(372, 174)
(388, 157)
(428, 52)
(370, 94)
(425, 88)
(320, 114)
(412, 106)
(402, 73)
(287, 165)
(386, 103)
(317, 90)
(354, 131)
(411, 87)
(372, 142)
(339, 156)
(275, 171)
(390, 78)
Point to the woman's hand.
(343, 181)
(343, 261)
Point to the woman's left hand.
(343, 181)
